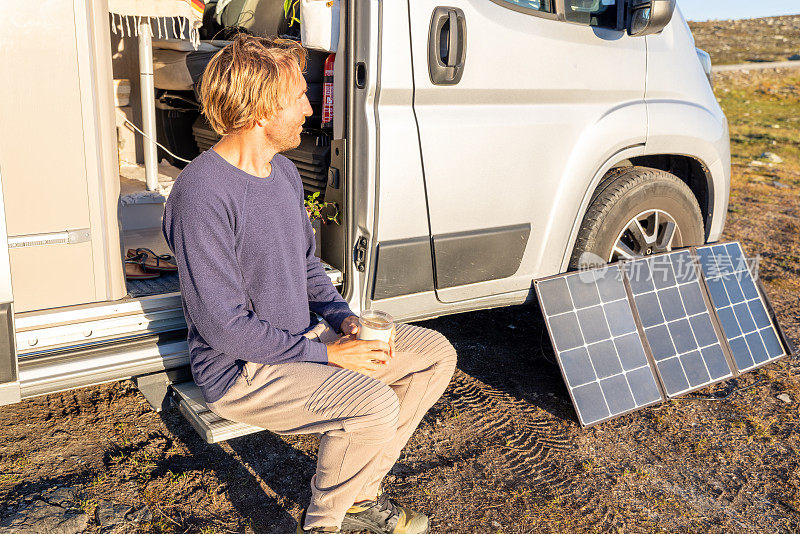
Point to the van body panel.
(403, 264)
(53, 275)
(614, 160)
(55, 156)
(498, 147)
(582, 174)
(402, 267)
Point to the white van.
(474, 148)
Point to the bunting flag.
(173, 19)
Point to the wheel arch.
(691, 170)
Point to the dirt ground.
(502, 450)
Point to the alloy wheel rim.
(647, 233)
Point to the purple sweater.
(248, 274)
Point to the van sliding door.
(506, 98)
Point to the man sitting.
(244, 246)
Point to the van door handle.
(447, 45)
(452, 44)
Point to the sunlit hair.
(248, 81)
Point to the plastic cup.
(375, 325)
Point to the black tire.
(636, 191)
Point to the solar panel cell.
(593, 324)
(649, 309)
(695, 369)
(590, 403)
(643, 386)
(729, 323)
(672, 376)
(741, 354)
(618, 394)
(631, 352)
(732, 287)
(639, 277)
(715, 362)
(745, 318)
(555, 296)
(771, 342)
(683, 266)
(707, 262)
(692, 299)
(566, 332)
(577, 367)
(605, 359)
(756, 346)
(736, 255)
(703, 330)
(660, 342)
(682, 336)
(747, 285)
(620, 318)
(671, 305)
(718, 293)
(609, 285)
(583, 294)
(759, 314)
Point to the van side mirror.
(649, 16)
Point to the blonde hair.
(248, 80)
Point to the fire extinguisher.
(327, 92)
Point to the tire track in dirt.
(531, 446)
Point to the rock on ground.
(772, 157)
(41, 517)
(115, 517)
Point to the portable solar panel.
(668, 298)
(630, 335)
(597, 344)
(752, 337)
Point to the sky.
(737, 9)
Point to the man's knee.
(440, 351)
(378, 417)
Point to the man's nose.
(307, 111)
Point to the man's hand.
(350, 326)
(358, 355)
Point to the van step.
(209, 425)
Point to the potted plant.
(320, 213)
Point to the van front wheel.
(637, 211)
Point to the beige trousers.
(365, 421)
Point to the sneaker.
(301, 530)
(384, 516)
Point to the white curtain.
(165, 18)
